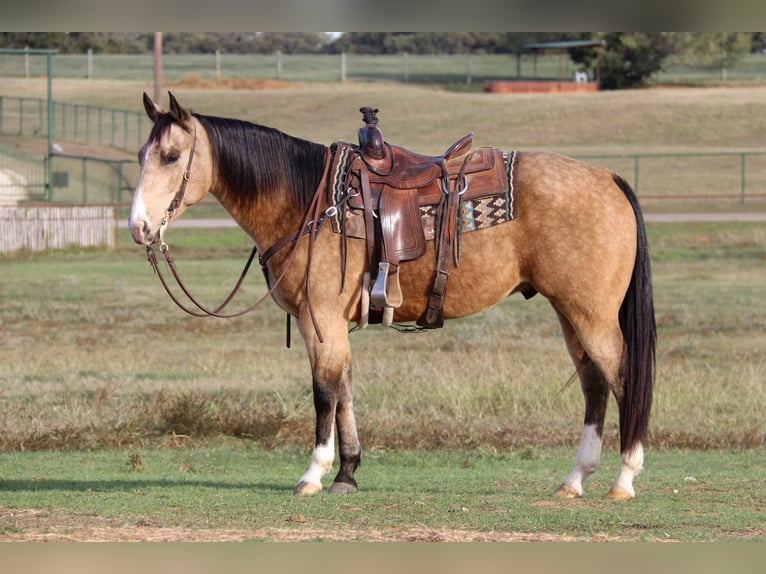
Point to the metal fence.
(716, 175)
(726, 177)
(72, 178)
(89, 179)
(76, 123)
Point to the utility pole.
(157, 66)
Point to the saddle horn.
(370, 136)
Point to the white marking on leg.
(588, 456)
(632, 465)
(322, 458)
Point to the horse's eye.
(170, 157)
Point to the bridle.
(311, 224)
(179, 196)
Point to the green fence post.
(62, 110)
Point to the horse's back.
(575, 231)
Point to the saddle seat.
(404, 169)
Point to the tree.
(718, 50)
(628, 60)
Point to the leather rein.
(311, 225)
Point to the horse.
(579, 240)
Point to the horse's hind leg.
(596, 392)
(599, 352)
(598, 355)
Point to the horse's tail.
(640, 334)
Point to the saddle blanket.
(496, 207)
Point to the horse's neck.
(265, 219)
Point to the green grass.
(687, 496)
(94, 354)
(118, 410)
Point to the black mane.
(252, 159)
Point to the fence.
(88, 179)
(446, 68)
(38, 228)
(726, 177)
(24, 171)
(76, 123)
(717, 175)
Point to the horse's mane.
(252, 159)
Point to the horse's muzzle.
(141, 232)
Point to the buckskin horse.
(356, 234)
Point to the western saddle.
(397, 199)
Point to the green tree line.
(625, 60)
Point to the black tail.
(640, 333)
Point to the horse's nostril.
(139, 230)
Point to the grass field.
(96, 358)
(231, 491)
(111, 398)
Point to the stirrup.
(386, 292)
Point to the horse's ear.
(152, 110)
(181, 115)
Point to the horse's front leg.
(333, 402)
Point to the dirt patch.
(196, 81)
(50, 525)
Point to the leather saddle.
(388, 188)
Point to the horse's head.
(174, 170)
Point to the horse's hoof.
(618, 493)
(566, 491)
(342, 488)
(307, 489)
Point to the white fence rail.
(38, 228)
